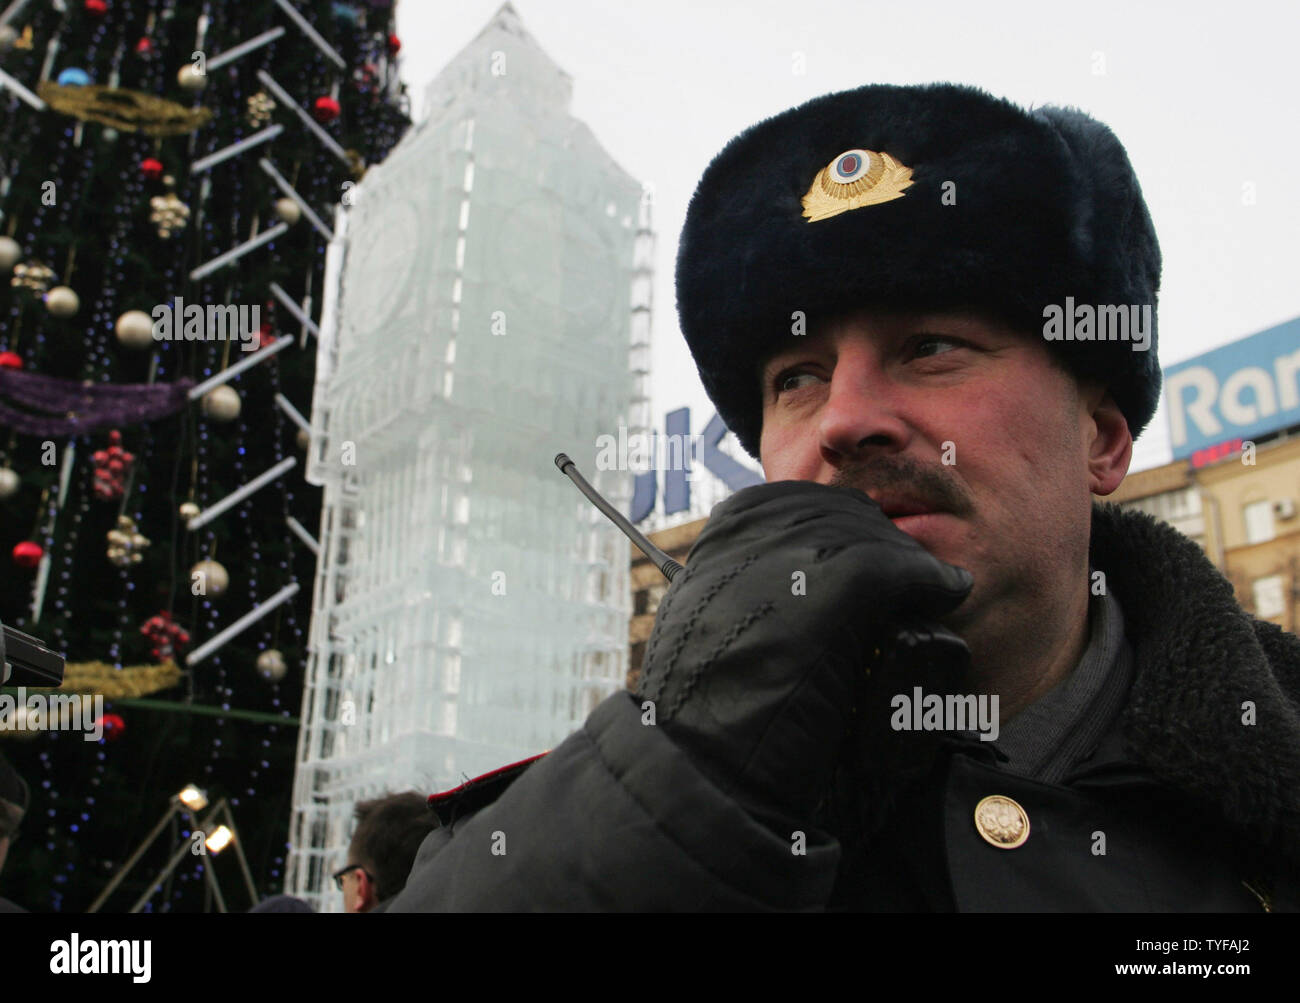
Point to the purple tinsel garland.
(73, 407)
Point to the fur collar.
(1197, 658)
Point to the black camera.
(26, 660)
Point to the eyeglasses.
(338, 875)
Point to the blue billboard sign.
(676, 466)
(1241, 391)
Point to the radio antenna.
(662, 561)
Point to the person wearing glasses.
(389, 832)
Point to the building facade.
(1241, 507)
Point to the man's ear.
(367, 895)
(1110, 444)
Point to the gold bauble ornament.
(169, 214)
(288, 210)
(208, 578)
(221, 404)
(190, 78)
(126, 546)
(62, 301)
(270, 664)
(134, 329)
(259, 111)
(32, 276)
(10, 253)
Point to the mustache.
(894, 475)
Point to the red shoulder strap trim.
(481, 791)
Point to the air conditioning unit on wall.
(1284, 508)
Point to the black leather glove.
(762, 644)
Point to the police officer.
(873, 286)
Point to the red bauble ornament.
(326, 109)
(151, 168)
(11, 360)
(28, 554)
(166, 635)
(394, 44)
(144, 47)
(265, 334)
(97, 8)
(111, 467)
(113, 726)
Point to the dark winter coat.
(1199, 810)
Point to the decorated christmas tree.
(170, 172)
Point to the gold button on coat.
(1002, 822)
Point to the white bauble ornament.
(221, 404)
(22, 726)
(270, 664)
(304, 439)
(11, 252)
(288, 210)
(62, 301)
(209, 577)
(189, 510)
(134, 329)
(191, 79)
(9, 482)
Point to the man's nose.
(862, 414)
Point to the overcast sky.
(1205, 96)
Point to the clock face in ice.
(592, 276)
(384, 251)
(561, 258)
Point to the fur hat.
(931, 197)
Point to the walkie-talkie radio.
(912, 644)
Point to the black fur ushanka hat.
(929, 197)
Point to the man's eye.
(788, 381)
(934, 344)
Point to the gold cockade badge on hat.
(853, 179)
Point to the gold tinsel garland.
(124, 110)
(100, 678)
(115, 684)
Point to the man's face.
(965, 432)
